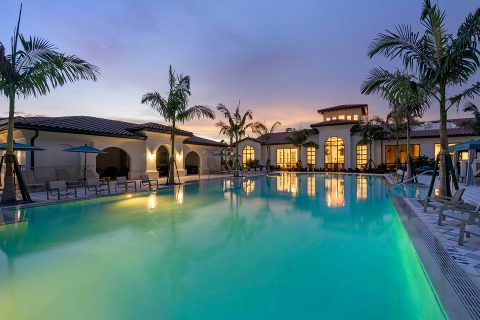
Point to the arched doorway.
(248, 155)
(192, 162)
(334, 153)
(115, 162)
(162, 161)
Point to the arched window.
(248, 154)
(362, 155)
(334, 153)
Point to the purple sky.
(283, 59)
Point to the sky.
(282, 59)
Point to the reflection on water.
(311, 185)
(334, 191)
(152, 201)
(248, 186)
(179, 190)
(287, 182)
(362, 188)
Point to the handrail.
(412, 178)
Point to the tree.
(174, 108)
(298, 138)
(262, 130)
(394, 125)
(33, 67)
(439, 60)
(235, 127)
(407, 99)
(475, 123)
(368, 133)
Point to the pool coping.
(458, 294)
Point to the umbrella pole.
(85, 168)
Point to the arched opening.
(334, 153)
(162, 161)
(115, 162)
(192, 162)
(248, 155)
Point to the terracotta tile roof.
(345, 107)
(152, 126)
(452, 132)
(203, 142)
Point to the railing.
(412, 178)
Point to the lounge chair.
(145, 180)
(454, 211)
(122, 182)
(60, 189)
(31, 181)
(95, 184)
(62, 175)
(471, 225)
(437, 202)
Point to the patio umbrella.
(84, 149)
(20, 147)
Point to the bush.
(423, 161)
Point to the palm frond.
(196, 112)
(470, 92)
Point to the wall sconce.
(179, 156)
(151, 155)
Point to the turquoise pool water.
(286, 247)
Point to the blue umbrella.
(84, 149)
(20, 147)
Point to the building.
(334, 145)
(131, 149)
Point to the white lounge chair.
(471, 225)
(60, 189)
(31, 181)
(122, 182)
(145, 180)
(95, 184)
(437, 202)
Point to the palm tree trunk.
(409, 167)
(268, 158)
(171, 166)
(9, 193)
(397, 156)
(443, 143)
(237, 158)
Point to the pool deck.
(453, 269)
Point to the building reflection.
(362, 188)
(311, 185)
(248, 186)
(179, 192)
(335, 191)
(287, 182)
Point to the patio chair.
(62, 175)
(95, 184)
(31, 181)
(455, 211)
(122, 182)
(471, 225)
(437, 202)
(60, 189)
(145, 180)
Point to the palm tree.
(439, 60)
(33, 67)
(368, 133)
(261, 129)
(298, 138)
(174, 108)
(235, 127)
(395, 125)
(475, 123)
(407, 99)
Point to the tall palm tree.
(174, 108)
(475, 123)
(368, 133)
(407, 99)
(235, 127)
(439, 60)
(298, 138)
(33, 67)
(396, 126)
(263, 131)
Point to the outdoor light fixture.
(179, 156)
(151, 155)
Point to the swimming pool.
(292, 246)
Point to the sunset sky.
(283, 59)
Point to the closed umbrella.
(84, 149)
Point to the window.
(349, 117)
(311, 185)
(334, 118)
(327, 119)
(334, 153)
(341, 117)
(311, 156)
(437, 149)
(287, 182)
(402, 152)
(355, 117)
(334, 191)
(287, 158)
(248, 154)
(362, 155)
